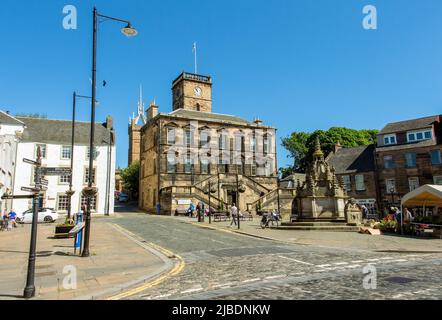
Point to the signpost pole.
(29, 291)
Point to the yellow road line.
(179, 266)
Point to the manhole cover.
(400, 280)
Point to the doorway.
(231, 197)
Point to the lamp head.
(129, 31)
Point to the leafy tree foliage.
(131, 176)
(301, 144)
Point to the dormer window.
(390, 139)
(419, 135)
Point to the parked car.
(45, 215)
(123, 198)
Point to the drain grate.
(400, 280)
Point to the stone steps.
(318, 226)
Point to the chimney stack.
(338, 146)
(152, 111)
(258, 122)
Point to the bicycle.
(268, 219)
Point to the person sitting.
(12, 218)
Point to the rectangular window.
(204, 139)
(43, 150)
(438, 180)
(205, 166)
(253, 144)
(390, 185)
(223, 141)
(62, 202)
(410, 160)
(390, 139)
(266, 144)
(66, 152)
(254, 169)
(188, 165)
(419, 135)
(170, 136)
(435, 157)
(64, 179)
(238, 143)
(93, 202)
(388, 162)
(189, 137)
(413, 183)
(171, 165)
(86, 176)
(346, 180)
(360, 183)
(88, 153)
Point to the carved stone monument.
(321, 197)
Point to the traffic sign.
(30, 161)
(47, 171)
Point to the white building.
(54, 138)
(10, 132)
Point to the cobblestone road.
(222, 265)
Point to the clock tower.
(192, 92)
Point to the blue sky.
(297, 64)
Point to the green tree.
(131, 178)
(301, 144)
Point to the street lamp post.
(90, 191)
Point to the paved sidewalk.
(116, 263)
(351, 240)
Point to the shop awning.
(427, 195)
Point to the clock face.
(198, 91)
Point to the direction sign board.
(26, 189)
(42, 182)
(10, 197)
(47, 171)
(30, 161)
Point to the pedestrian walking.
(233, 214)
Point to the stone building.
(356, 168)
(191, 151)
(408, 155)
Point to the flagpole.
(195, 52)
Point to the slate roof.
(409, 125)
(420, 144)
(210, 116)
(60, 131)
(8, 119)
(353, 160)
